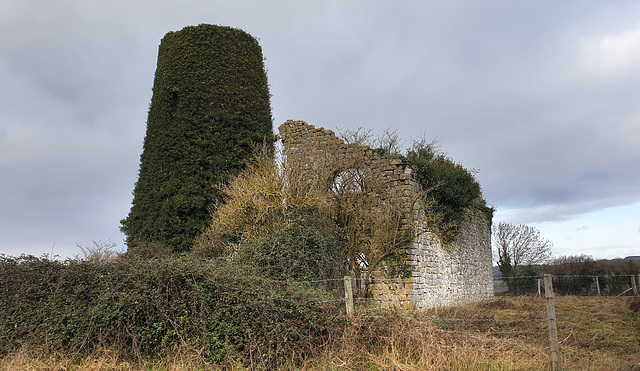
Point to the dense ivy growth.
(453, 188)
(210, 108)
(142, 307)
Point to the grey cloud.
(509, 104)
(515, 90)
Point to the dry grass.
(598, 333)
(183, 359)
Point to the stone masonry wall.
(317, 149)
(454, 274)
(440, 275)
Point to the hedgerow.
(144, 308)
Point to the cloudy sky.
(541, 97)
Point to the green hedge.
(453, 188)
(147, 307)
(210, 109)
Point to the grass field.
(503, 334)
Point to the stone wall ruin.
(440, 275)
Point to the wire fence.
(505, 288)
(533, 322)
(603, 285)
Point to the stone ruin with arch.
(440, 275)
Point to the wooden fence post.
(539, 287)
(634, 286)
(348, 293)
(554, 349)
(598, 285)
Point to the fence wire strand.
(565, 323)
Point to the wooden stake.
(348, 292)
(554, 349)
(539, 287)
(598, 285)
(634, 286)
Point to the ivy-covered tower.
(209, 110)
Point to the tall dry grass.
(597, 333)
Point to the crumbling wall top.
(328, 156)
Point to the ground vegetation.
(147, 308)
(599, 334)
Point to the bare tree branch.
(519, 246)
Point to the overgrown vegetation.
(597, 334)
(275, 201)
(306, 250)
(271, 221)
(452, 187)
(147, 308)
(266, 196)
(209, 109)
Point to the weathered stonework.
(315, 147)
(440, 275)
(458, 273)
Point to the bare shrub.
(271, 193)
(99, 252)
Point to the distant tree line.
(523, 254)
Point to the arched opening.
(348, 181)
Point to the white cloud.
(604, 234)
(611, 57)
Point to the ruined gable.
(440, 275)
(315, 147)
